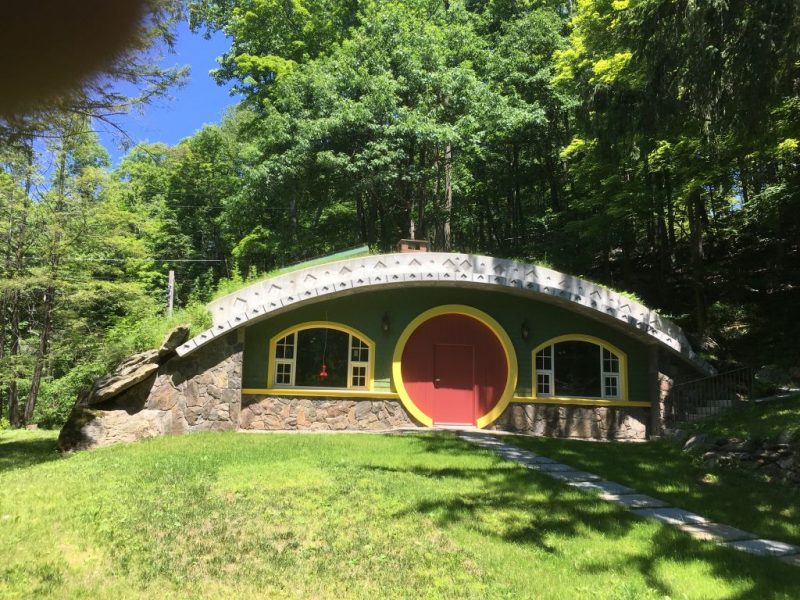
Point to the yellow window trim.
(315, 325)
(577, 401)
(321, 393)
(469, 311)
(579, 337)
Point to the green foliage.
(229, 285)
(649, 144)
(58, 396)
(136, 333)
(132, 333)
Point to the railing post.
(656, 406)
(712, 395)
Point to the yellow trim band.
(579, 337)
(578, 401)
(326, 325)
(321, 393)
(478, 315)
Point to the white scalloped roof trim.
(259, 300)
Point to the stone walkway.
(639, 504)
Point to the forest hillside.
(649, 145)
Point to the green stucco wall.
(364, 311)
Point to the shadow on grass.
(21, 450)
(730, 496)
(523, 507)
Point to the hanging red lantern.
(323, 374)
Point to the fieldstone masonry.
(268, 413)
(588, 422)
(201, 392)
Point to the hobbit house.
(406, 340)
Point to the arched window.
(321, 355)
(579, 367)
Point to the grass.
(762, 420)
(228, 286)
(348, 516)
(662, 470)
(20, 448)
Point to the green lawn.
(759, 420)
(659, 469)
(324, 516)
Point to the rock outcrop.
(137, 368)
(131, 371)
(157, 392)
(174, 338)
(776, 459)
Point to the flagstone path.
(639, 504)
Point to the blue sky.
(187, 109)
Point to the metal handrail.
(710, 396)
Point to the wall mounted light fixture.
(385, 323)
(525, 331)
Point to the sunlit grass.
(229, 285)
(762, 420)
(662, 470)
(320, 516)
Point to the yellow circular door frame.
(478, 315)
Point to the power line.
(181, 260)
(121, 260)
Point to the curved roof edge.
(264, 298)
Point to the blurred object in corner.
(53, 48)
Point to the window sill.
(578, 401)
(321, 393)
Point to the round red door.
(454, 369)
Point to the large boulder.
(696, 443)
(131, 371)
(89, 428)
(157, 392)
(173, 339)
(773, 377)
(136, 368)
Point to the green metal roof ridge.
(356, 252)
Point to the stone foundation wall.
(587, 422)
(324, 414)
(671, 371)
(665, 384)
(201, 392)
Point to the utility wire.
(181, 260)
(121, 260)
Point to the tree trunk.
(13, 416)
(743, 181)
(372, 220)
(663, 245)
(361, 217)
(670, 216)
(696, 210)
(519, 217)
(421, 194)
(448, 197)
(44, 347)
(552, 179)
(2, 348)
